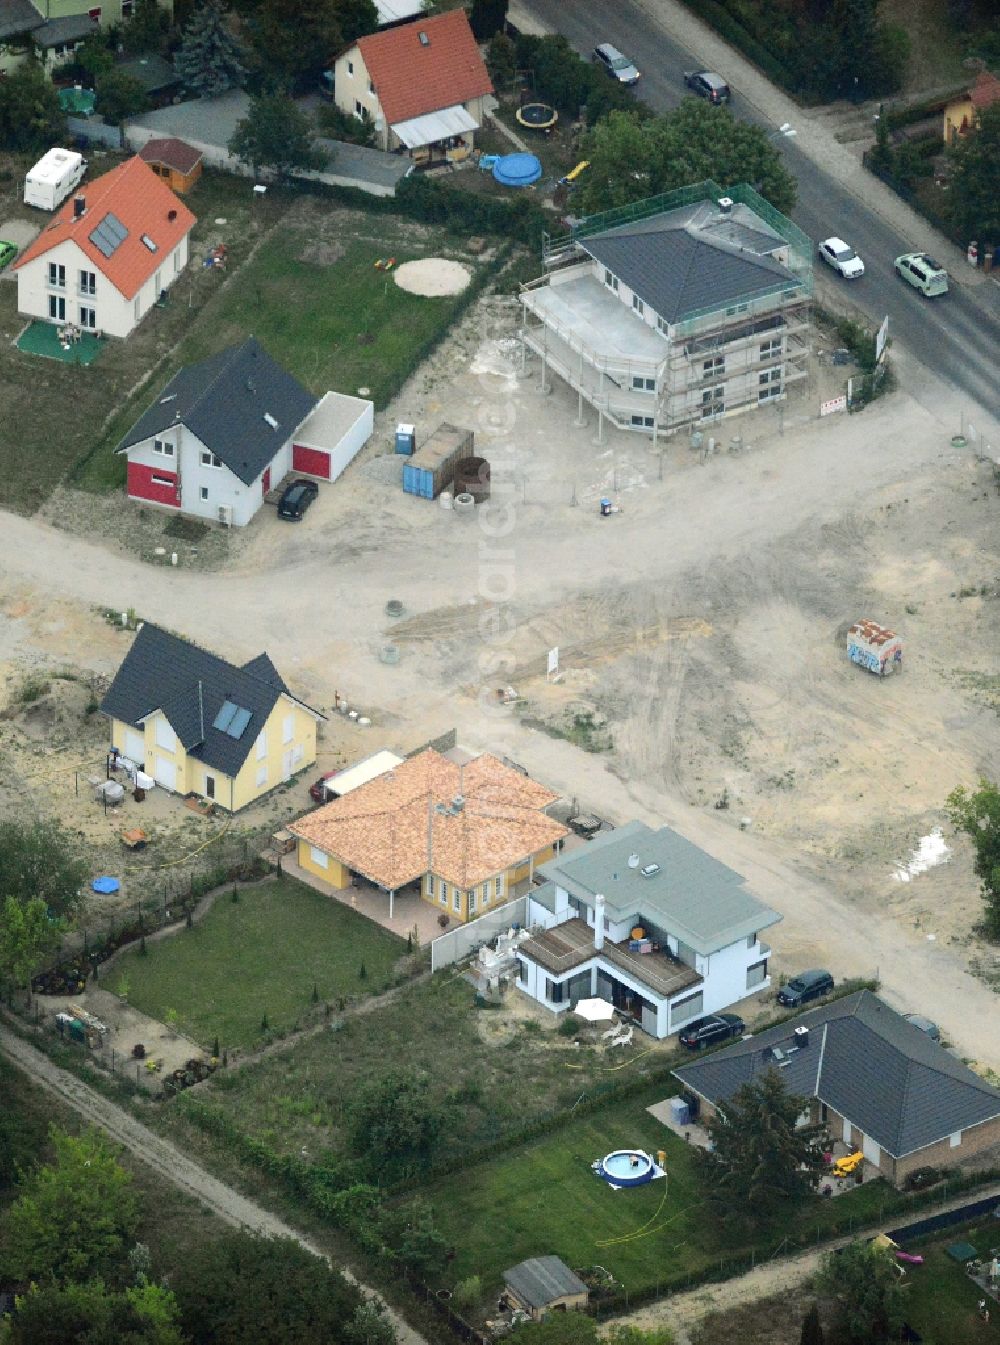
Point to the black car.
(804, 987)
(296, 499)
(706, 84)
(711, 1030)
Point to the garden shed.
(545, 1284)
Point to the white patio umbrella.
(595, 1010)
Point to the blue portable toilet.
(406, 439)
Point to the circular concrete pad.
(433, 276)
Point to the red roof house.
(423, 84)
(116, 245)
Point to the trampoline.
(537, 116)
(517, 170)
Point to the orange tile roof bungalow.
(423, 84)
(103, 261)
(462, 836)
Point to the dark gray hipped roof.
(71, 28)
(190, 685)
(225, 400)
(543, 1279)
(692, 896)
(17, 17)
(694, 257)
(864, 1060)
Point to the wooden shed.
(545, 1284)
(177, 162)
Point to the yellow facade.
(958, 117)
(321, 865)
(285, 746)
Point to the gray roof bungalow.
(648, 921)
(879, 1083)
(676, 310)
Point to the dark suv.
(804, 987)
(711, 1030)
(296, 499)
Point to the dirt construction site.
(703, 678)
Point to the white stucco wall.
(223, 486)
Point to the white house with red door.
(106, 257)
(225, 431)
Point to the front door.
(286, 765)
(265, 481)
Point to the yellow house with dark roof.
(461, 835)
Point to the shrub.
(569, 1025)
(920, 1178)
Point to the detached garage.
(332, 435)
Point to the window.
(642, 422)
(471, 901)
(128, 8)
(57, 275)
(643, 384)
(430, 884)
(164, 447)
(135, 308)
(359, 110)
(88, 318)
(498, 886)
(756, 974)
(638, 305)
(444, 894)
(203, 493)
(713, 402)
(371, 87)
(209, 459)
(209, 786)
(741, 308)
(318, 857)
(95, 14)
(751, 940)
(956, 1139)
(262, 775)
(611, 280)
(162, 480)
(689, 1007)
(287, 728)
(456, 899)
(350, 67)
(486, 894)
(715, 364)
(771, 348)
(262, 744)
(165, 735)
(88, 282)
(663, 326)
(57, 307)
(770, 385)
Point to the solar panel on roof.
(225, 716)
(109, 235)
(238, 727)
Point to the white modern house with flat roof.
(647, 921)
(674, 311)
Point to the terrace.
(571, 944)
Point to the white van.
(53, 178)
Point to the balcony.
(570, 945)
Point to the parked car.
(804, 987)
(316, 792)
(707, 84)
(619, 67)
(842, 257)
(717, 1027)
(8, 251)
(923, 273)
(296, 499)
(925, 1025)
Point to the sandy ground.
(432, 276)
(701, 629)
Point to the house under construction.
(674, 311)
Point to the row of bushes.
(726, 25)
(898, 117)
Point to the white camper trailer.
(53, 178)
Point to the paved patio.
(408, 910)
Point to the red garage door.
(313, 461)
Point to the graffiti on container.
(866, 659)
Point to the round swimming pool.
(627, 1167)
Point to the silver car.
(619, 67)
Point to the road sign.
(881, 338)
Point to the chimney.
(726, 204)
(801, 1037)
(599, 922)
(79, 206)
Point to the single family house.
(647, 921)
(54, 29)
(200, 725)
(422, 84)
(674, 311)
(880, 1084)
(109, 253)
(225, 431)
(962, 114)
(461, 834)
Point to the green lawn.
(260, 955)
(942, 1300)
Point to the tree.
(147, 29)
(74, 1216)
(975, 199)
(487, 17)
(120, 96)
(28, 935)
(94, 54)
(370, 1326)
(393, 1121)
(500, 62)
(760, 1158)
(864, 1281)
(30, 119)
(39, 859)
(246, 1287)
(210, 59)
(812, 1328)
(978, 815)
(410, 1233)
(275, 135)
(55, 1314)
(631, 159)
(295, 43)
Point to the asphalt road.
(956, 335)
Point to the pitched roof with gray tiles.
(542, 1280)
(69, 28)
(189, 684)
(695, 257)
(225, 400)
(692, 896)
(17, 17)
(864, 1060)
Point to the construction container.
(472, 477)
(874, 647)
(406, 439)
(432, 467)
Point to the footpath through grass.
(260, 955)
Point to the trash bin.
(605, 508)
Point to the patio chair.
(623, 1038)
(611, 1032)
(488, 161)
